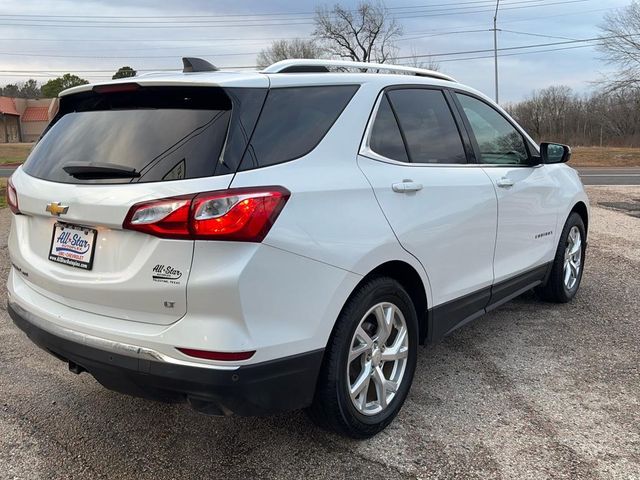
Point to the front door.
(442, 210)
(527, 201)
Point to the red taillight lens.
(12, 197)
(116, 88)
(166, 218)
(223, 356)
(244, 215)
(239, 214)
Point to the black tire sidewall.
(574, 220)
(382, 290)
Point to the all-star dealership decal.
(166, 274)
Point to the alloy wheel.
(377, 358)
(572, 258)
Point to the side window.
(428, 126)
(294, 121)
(500, 143)
(386, 138)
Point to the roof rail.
(315, 65)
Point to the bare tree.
(621, 45)
(284, 49)
(557, 113)
(420, 61)
(365, 34)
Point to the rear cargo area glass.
(163, 134)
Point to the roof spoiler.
(193, 64)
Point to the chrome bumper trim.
(142, 353)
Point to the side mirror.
(554, 152)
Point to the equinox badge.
(56, 209)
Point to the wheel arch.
(581, 209)
(405, 274)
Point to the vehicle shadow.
(462, 399)
(162, 438)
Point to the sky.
(44, 38)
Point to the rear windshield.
(160, 135)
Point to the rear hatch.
(106, 151)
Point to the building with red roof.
(9, 121)
(24, 119)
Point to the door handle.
(406, 186)
(505, 182)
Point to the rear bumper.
(259, 389)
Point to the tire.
(361, 318)
(558, 289)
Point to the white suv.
(259, 242)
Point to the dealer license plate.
(73, 245)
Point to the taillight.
(239, 214)
(12, 197)
(116, 88)
(224, 356)
(166, 218)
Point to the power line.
(537, 35)
(140, 40)
(430, 55)
(449, 6)
(593, 39)
(22, 54)
(41, 73)
(415, 35)
(50, 73)
(443, 54)
(34, 72)
(518, 53)
(416, 15)
(210, 23)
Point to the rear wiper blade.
(97, 171)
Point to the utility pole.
(495, 45)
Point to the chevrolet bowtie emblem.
(56, 209)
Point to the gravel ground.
(532, 390)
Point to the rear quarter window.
(293, 122)
(386, 139)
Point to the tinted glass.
(386, 138)
(428, 126)
(499, 141)
(159, 144)
(293, 121)
(164, 133)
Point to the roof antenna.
(193, 64)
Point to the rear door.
(69, 243)
(527, 195)
(442, 210)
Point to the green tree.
(30, 89)
(53, 87)
(124, 72)
(11, 90)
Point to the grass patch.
(3, 197)
(14, 152)
(605, 157)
